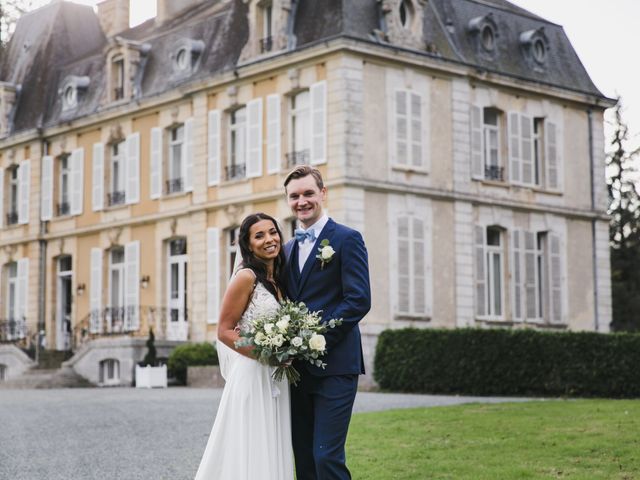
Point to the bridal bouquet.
(292, 333)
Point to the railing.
(124, 321)
(233, 172)
(301, 157)
(12, 217)
(494, 172)
(174, 185)
(118, 93)
(115, 198)
(63, 208)
(266, 44)
(13, 330)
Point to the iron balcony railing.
(13, 330)
(12, 217)
(494, 172)
(301, 157)
(174, 185)
(266, 44)
(118, 93)
(115, 198)
(234, 172)
(63, 208)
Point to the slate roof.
(65, 38)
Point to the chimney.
(168, 9)
(113, 16)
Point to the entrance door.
(177, 322)
(115, 312)
(63, 312)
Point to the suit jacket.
(340, 289)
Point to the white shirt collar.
(319, 225)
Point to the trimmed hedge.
(508, 362)
(190, 354)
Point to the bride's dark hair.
(249, 260)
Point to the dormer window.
(186, 56)
(271, 28)
(535, 44)
(117, 78)
(406, 14)
(484, 32)
(70, 91)
(266, 42)
(488, 38)
(124, 59)
(403, 23)
(8, 95)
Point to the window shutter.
(95, 300)
(415, 132)
(187, 165)
(555, 280)
(318, 93)
(213, 166)
(132, 285)
(213, 274)
(1, 197)
(516, 274)
(553, 170)
(530, 276)
(156, 163)
(526, 149)
(24, 176)
(254, 138)
(477, 163)
(23, 287)
(97, 193)
(480, 272)
(46, 185)
(77, 184)
(419, 268)
(515, 165)
(404, 286)
(402, 129)
(273, 134)
(132, 189)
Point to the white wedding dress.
(251, 435)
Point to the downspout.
(42, 261)
(593, 222)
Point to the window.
(232, 249)
(115, 313)
(236, 168)
(488, 38)
(69, 97)
(408, 129)
(12, 291)
(405, 11)
(109, 372)
(300, 130)
(493, 170)
(266, 42)
(175, 167)
(411, 273)
(177, 328)
(492, 266)
(63, 185)
(117, 77)
(14, 185)
(539, 51)
(116, 195)
(63, 303)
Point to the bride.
(251, 435)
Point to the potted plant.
(148, 373)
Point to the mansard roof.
(64, 39)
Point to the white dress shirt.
(304, 248)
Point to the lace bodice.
(262, 303)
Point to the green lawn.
(576, 439)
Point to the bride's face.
(264, 240)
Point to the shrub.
(508, 362)
(191, 354)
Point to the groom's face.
(305, 200)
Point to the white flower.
(259, 338)
(278, 340)
(268, 327)
(327, 252)
(317, 342)
(283, 323)
(296, 341)
(332, 323)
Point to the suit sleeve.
(356, 291)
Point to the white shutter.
(187, 165)
(401, 139)
(477, 163)
(132, 285)
(132, 188)
(213, 167)
(404, 266)
(77, 184)
(97, 193)
(555, 279)
(273, 134)
(415, 130)
(418, 261)
(213, 274)
(553, 170)
(156, 163)
(24, 177)
(530, 276)
(254, 138)
(526, 149)
(480, 271)
(95, 300)
(1, 197)
(515, 165)
(46, 185)
(516, 275)
(318, 93)
(23, 288)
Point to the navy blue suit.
(321, 403)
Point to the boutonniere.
(326, 253)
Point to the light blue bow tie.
(302, 235)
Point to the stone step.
(43, 378)
(52, 359)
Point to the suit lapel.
(327, 232)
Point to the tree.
(624, 228)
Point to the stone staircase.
(48, 374)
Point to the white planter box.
(150, 377)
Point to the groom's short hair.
(302, 171)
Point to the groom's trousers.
(320, 415)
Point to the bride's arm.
(234, 303)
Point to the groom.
(338, 284)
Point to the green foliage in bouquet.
(191, 354)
